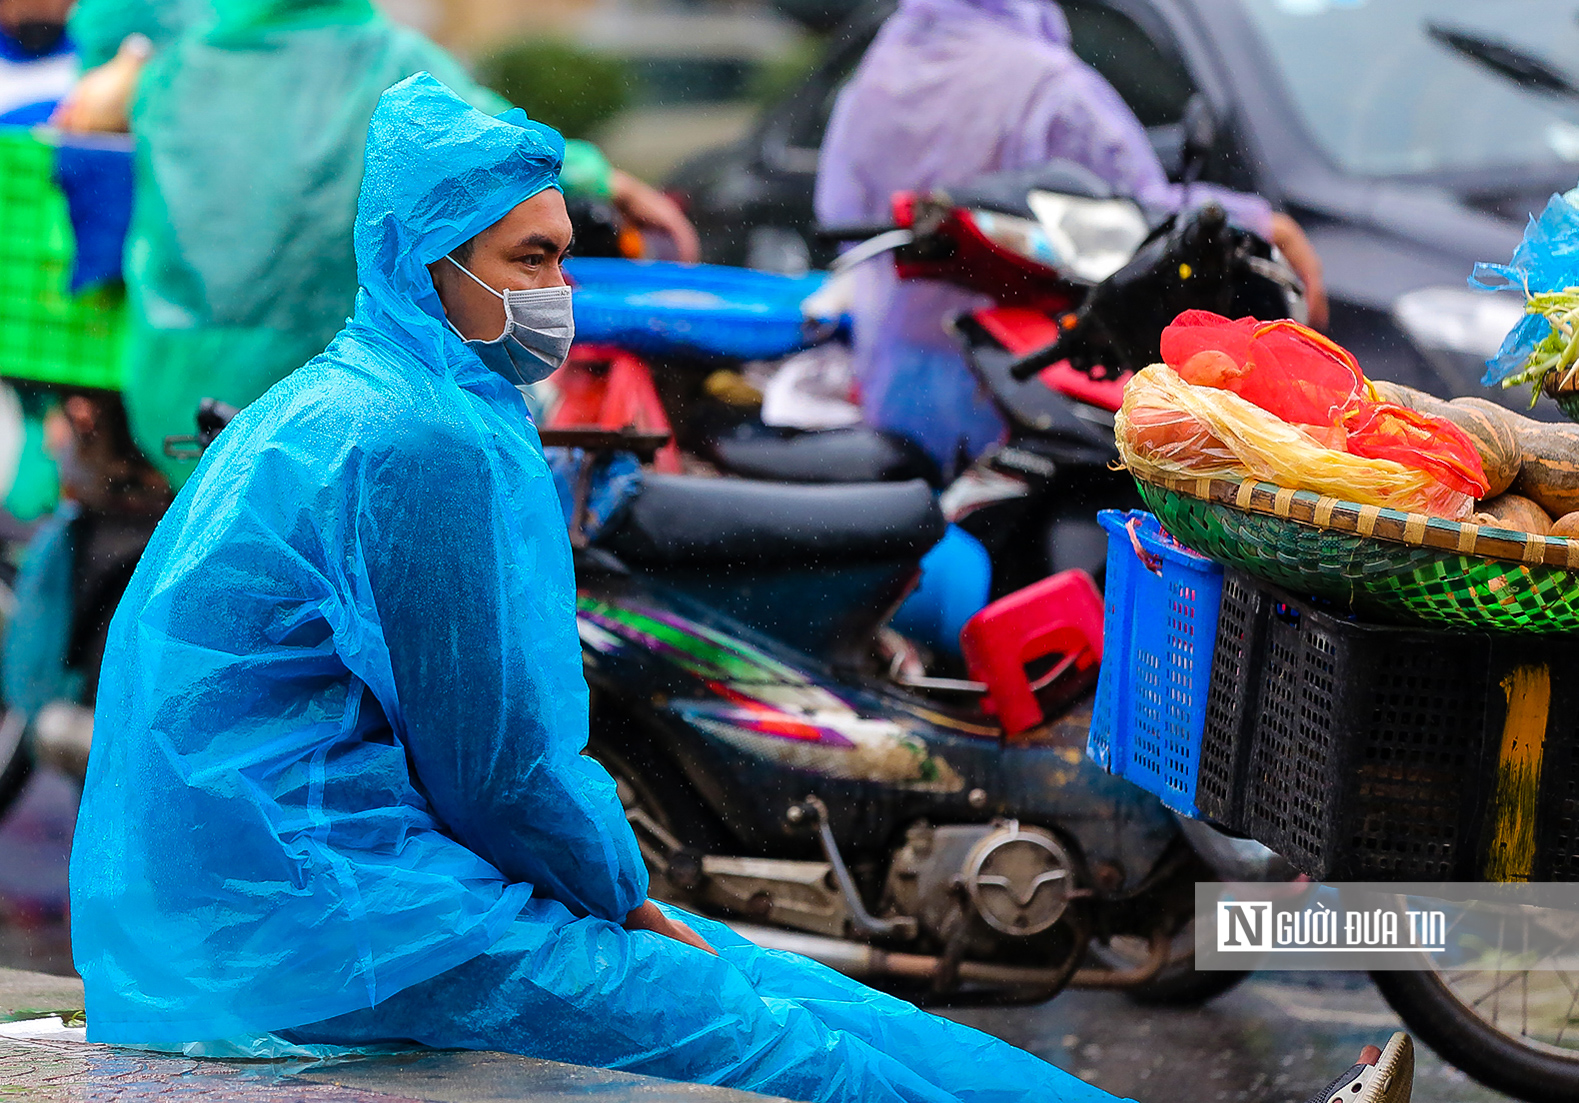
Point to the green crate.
(47, 334)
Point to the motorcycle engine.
(1017, 880)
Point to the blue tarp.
(659, 307)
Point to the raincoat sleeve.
(486, 667)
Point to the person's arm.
(101, 100)
(649, 918)
(1079, 115)
(486, 667)
(648, 208)
(1303, 259)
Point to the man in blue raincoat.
(337, 796)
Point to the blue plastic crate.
(659, 307)
(1159, 633)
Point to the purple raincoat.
(949, 90)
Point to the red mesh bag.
(1310, 381)
(1383, 431)
(1283, 367)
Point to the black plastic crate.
(1373, 752)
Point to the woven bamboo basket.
(1405, 566)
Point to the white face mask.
(539, 328)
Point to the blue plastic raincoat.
(368, 579)
(335, 794)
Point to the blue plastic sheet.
(97, 182)
(1546, 260)
(753, 1019)
(659, 307)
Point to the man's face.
(522, 251)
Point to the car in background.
(1411, 138)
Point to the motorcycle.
(1083, 282)
(900, 787)
(866, 814)
(836, 802)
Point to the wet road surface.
(1275, 1039)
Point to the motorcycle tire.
(16, 754)
(1523, 1068)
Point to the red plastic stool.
(1061, 615)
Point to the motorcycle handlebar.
(854, 231)
(1031, 363)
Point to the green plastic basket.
(1382, 562)
(47, 334)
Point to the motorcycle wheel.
(16, 754)
(1514, 1031)
(1183, 986)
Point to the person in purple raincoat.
(949, 90)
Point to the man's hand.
(1302, 258)
(649, 918)
(648, 208)
(101, 100)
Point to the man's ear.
(439, 274)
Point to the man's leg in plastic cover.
(588, 992)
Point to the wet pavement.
(52, 1069)
(1275, 1039)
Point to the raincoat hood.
(437, 173)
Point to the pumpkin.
(1549, 468)
(1513, 511)
(1566, 526)
(1491, 428)
(1398, 394)
(1494, 435)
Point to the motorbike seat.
(683, 521)
(854, 455)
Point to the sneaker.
(1382, 1076)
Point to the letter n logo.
(1244, 927)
